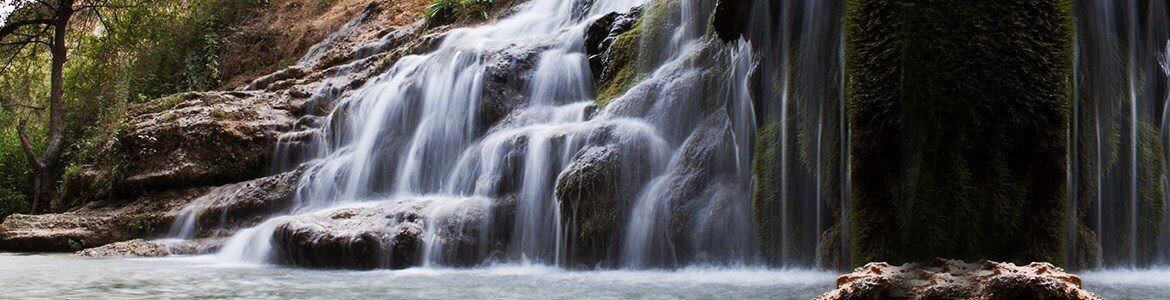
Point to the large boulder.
(951, 279)
(599, 188)
(390, 234)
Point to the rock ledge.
(953, 279)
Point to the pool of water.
(1129, 284)
(65, 276)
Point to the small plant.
(77, 244)
(446, 11)
(140, 227)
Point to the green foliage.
(766, 198)
(448, 11)
(140, 228)
(139, 50)
(959, 115)
(15, 175)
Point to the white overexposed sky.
(6, 8)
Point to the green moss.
(766, 196)
(959, 115)
(623, 58)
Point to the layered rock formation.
(215, 149)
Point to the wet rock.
(153, 248)
(242, 204)
(392, 234)
(601, 35)
(508, 69)
(131, 248)
(952, 279)
(597, 191)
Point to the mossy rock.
(621, 70)
(959, 112)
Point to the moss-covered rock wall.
(959, 113)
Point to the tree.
(38, 25)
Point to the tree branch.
(11, 27)
(28, 151)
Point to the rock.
(156, 248)
(952, 279)
(391, 234)
(95, 224)
(601, 35)
(240, 205)
(148, 216)
(508, 71)
(187, 140)
(597, 191)
(131, 248)
(194, 247)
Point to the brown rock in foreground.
(156, 248)
(953, 279)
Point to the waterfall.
(473, 139)
(1118, 136)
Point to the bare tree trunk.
(43, 172)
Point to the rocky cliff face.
(959, 116)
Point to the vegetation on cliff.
(125, 52)
(959, 116)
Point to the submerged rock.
(952, 279)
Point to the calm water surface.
(65, 276)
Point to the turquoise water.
(65, 276)
(1129, 284)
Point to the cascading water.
(1118, 172)
(441, 136)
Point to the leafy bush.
(15, 175)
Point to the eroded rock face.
(952, 279)
(188, 140)
(94, 224)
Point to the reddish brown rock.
(952, 279)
